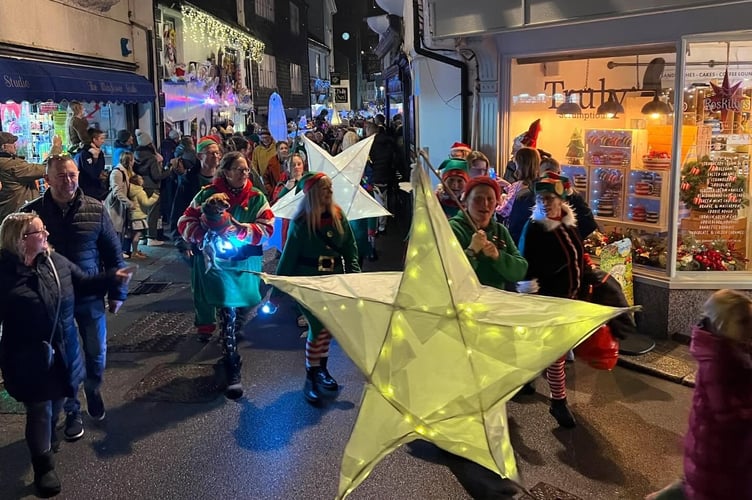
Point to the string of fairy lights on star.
(206, 29)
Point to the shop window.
(608, 123)
(294, 19)
(296, 79)
(265, 9)
(714, 183)
(268, 72)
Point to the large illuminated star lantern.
(441, 353)
(726, 97)
(346, 171)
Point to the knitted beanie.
(483, 180)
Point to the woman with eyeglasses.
(227, 220)
(319, 242)
(39, 350)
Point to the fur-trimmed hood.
(568, 218)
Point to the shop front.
(650, 118)
(35, 98)
(205, 66)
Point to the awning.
(23, 80)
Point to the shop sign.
(726, 97)
(110, 87)
(47, 107)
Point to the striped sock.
(557, 379)
(318, 348)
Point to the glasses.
(43, 230)
(242, 170)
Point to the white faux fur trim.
(569, 219)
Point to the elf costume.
(448, 169)
(229, 286)
(318, 252)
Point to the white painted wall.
(60, 27)
(438, 120)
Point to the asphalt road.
(272, 445)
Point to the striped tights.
(317, 348)
(557, 379)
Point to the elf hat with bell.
(554, 183)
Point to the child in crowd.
(138, 213)
(454, 174)
(718, 444)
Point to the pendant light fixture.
(656, 108)
(569, 107)
(610, 108)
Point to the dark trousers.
(41, 419)
(91, 319)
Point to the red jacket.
(718, 445)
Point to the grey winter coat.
(117, 202)
(149, 168)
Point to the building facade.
(100, 54)
(646, 106)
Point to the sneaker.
(95, 406)
(152, 242)
(140, 255)
(74, 426)
(126, 255)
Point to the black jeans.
(41, 419)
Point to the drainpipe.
(464, 87)
(156, 111)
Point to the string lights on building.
(206, 29)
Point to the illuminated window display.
(610, 122)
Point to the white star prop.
(346, 171)
(441, 353)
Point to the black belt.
(323, 263)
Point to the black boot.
(325, 380)
(560, 411)
(46, 480)
(227, 317)
(311, 389)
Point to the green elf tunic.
(230, 284)
(320, 253)
(510, 267)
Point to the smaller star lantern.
(725, 98)
(345, 170)
(441, 353)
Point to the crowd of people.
(65, 253)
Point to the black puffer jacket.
(84, 235)
(28, 301)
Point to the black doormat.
(155, 332)
(544, 491)
(179, 383)
(8, 405)
(150, 287)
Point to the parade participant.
(585, 219)
(276, 166)
(454, 176)
(477, 164)
(527, 139)
(556, 265)
(246, 146)
(515, 211)
(487, 244)
(720, 419)
(80, 229)
(190, 183)
(18, 177)
(459, 151)
(39, 350)
(227, 220)
(320, 242)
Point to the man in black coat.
(91, 163)
(81, 230)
